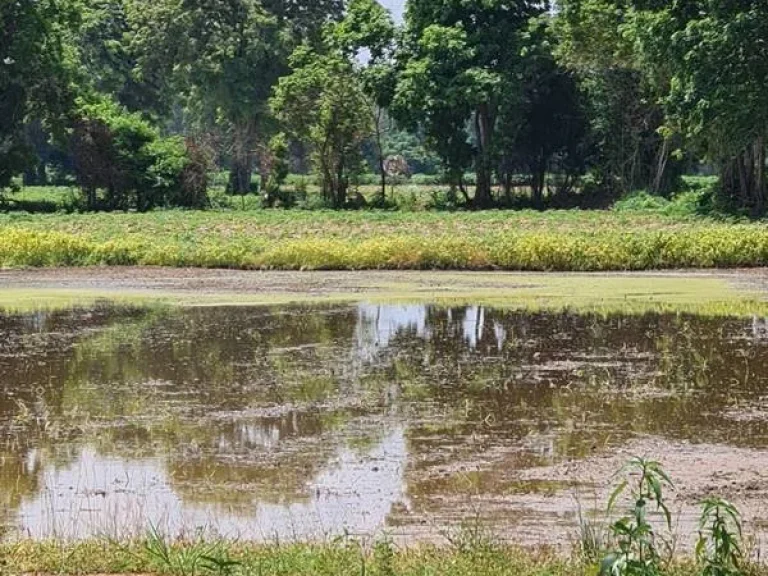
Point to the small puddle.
(308, 422)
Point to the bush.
(304, 180)
(124, 156)
(365, 179)
(219, 199)
(641, 201)
(426, 179)
(314, 202)
(443, 200)
(696, 200)
(177, 173)
(279, 158)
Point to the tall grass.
(340, 558)
(608, 248)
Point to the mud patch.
(711, 292)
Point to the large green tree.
(367, 34)
(546, 133)
(34, 74)
(323, 103)
(461, 62)
(220, 56)
(716, 53)
(106, 60)
(224, 57)
(597, 41)
(335, 96)
(304, 19)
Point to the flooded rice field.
(296, 423)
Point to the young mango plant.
(637, 552)
(719, 549)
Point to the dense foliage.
(506, 102)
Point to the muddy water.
(306, 423)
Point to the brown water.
(306, 423)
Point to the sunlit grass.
(297, 240)
(340, 558)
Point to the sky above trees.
(396, 6)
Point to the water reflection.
(301, 422)
(98, 496)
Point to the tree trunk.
(240, 175)
(269, 192)
(759, 160)
(341, 185)
(90, 198)
(743, 180)
(242, 158)
(661, 167)
(483, 162)
(36, 175)
(380, 149)
(383, 181)
(508, 186)
(539, 180)
(463, 190)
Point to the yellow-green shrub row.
(705, 247)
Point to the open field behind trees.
(294, 240)
(697, 196)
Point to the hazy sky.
(396, 6)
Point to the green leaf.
(615, 494)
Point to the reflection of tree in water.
(210, 390)
(35, 357)
(505, 390)
(19, 478)
(241, 401)
(226, 379)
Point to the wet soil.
(418, 421)
(367, 283)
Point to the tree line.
(574, 102)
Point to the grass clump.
(340, 558)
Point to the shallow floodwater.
(296, 423)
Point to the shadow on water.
(308, 422)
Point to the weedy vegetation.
(562, 241)
(720, 549)
(639, 547)
(636, 539)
